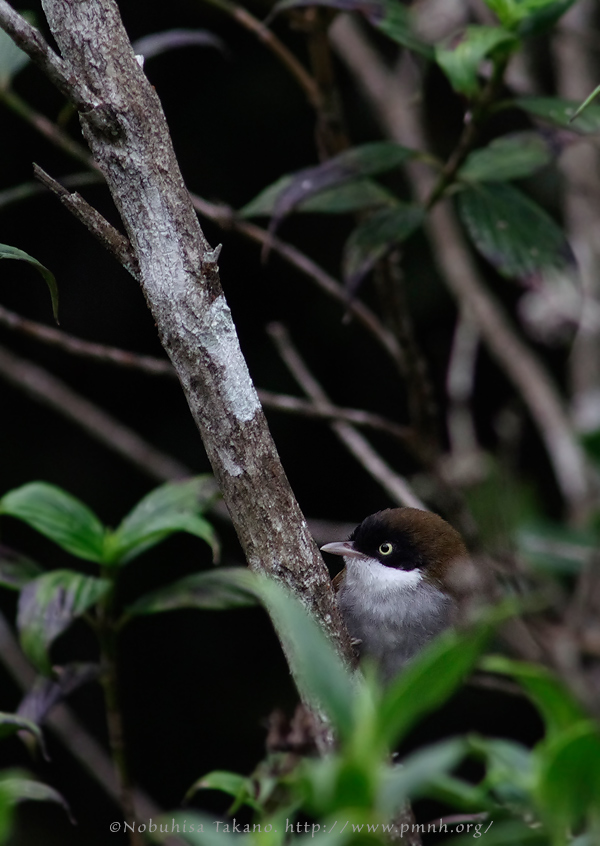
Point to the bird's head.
(417, 542)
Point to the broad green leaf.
(216, 590)
(173, 507)
(396, 22)
(430, 679)
(512, 156)
(318, 670)
(48, 605)
(12, 723)
(553, 701)
(562, 113)
(568, 786)
(12, 59)
(238, 786)
(461, 795)
(348, 197)
(375, 236)
(417, 773)
(15, 569)
(511, 231)
(529, 17)
(388, 16)
(59, 516)
(15, 786)
(364, 160)
(7, 252)
(543, 15)
(461, 64)
(509, 769)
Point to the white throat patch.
(375, 576)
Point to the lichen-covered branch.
(124, 125)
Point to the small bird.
(407, 578)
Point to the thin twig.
(464, 462)
(162, 367)
(32, 189)
(396, 487)
(52, 392)
(31, 41)
(114, 241)
(331, 136)
(85, 349)
(327, 411)
(51, 131)
(420, 393)
(226, 217)
(267, 37)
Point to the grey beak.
(345, 548)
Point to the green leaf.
(16, 787)
(238, 786)
(396, 22)
(416, 774)
(430, 679)
(461, 795)
(200, 829)
(562, 113)
(568, 786)
(375, 236)
(173, 507)
(12, 723)
(461, 64)
(529, 17)
(388, 16)
(509, 769)
(15, 569)
(542, 18)
(216, 590)
(12, 59)
(318, 670)
(514, 833)
(512, 156)
(511, 231)
(7, 252)
(348, 197)
(48, 605)
(586, 103)
(555, 704)
(364, 160)
(59, 516)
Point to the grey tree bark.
(124, 125)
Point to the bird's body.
(403, 583)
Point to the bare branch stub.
(114, 241)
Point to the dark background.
(197, 687)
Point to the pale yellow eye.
(386, 548)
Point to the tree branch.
(30, 40)
(52, 392)
(226, 217)
(395, 486)
(125, 127)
